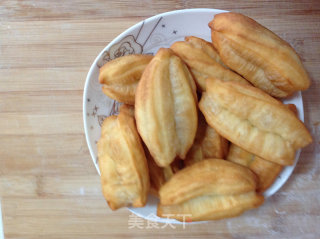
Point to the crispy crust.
(258, 54)
(165, 108)
(253, 120)
(122, 162)
(158, 176)
(266, 171)
(120, 77)
(207, 144)
(211, 207)
(210, 176)
(203, 61)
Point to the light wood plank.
(49, 187)
(29, 215)
(41, 102)
(41, 123)
(90, 32)
(43, 79)
(51, 10)
(45, 154)
(53, 186)
(49, 55)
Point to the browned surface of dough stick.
(207, 144)
(120, 77)
(204, 61)
(266, 171)
(165, 108)
(253, 120)
(122, 162)
(210, 176)
(258, 54)
(211, 207)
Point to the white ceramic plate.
(147, 37)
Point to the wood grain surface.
(49, 187)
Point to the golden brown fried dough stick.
(165, 108)
(253, 120)
(203, 61)
(266, 171)
(127, 109)
(157, 177)
(173, 168)
(120, 76)
(207, 144)
(210, 176)
(122, 162)
(211, 207)
(293, 108)
(258, 54)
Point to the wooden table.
(49, 187)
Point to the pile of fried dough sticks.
(202, 126)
